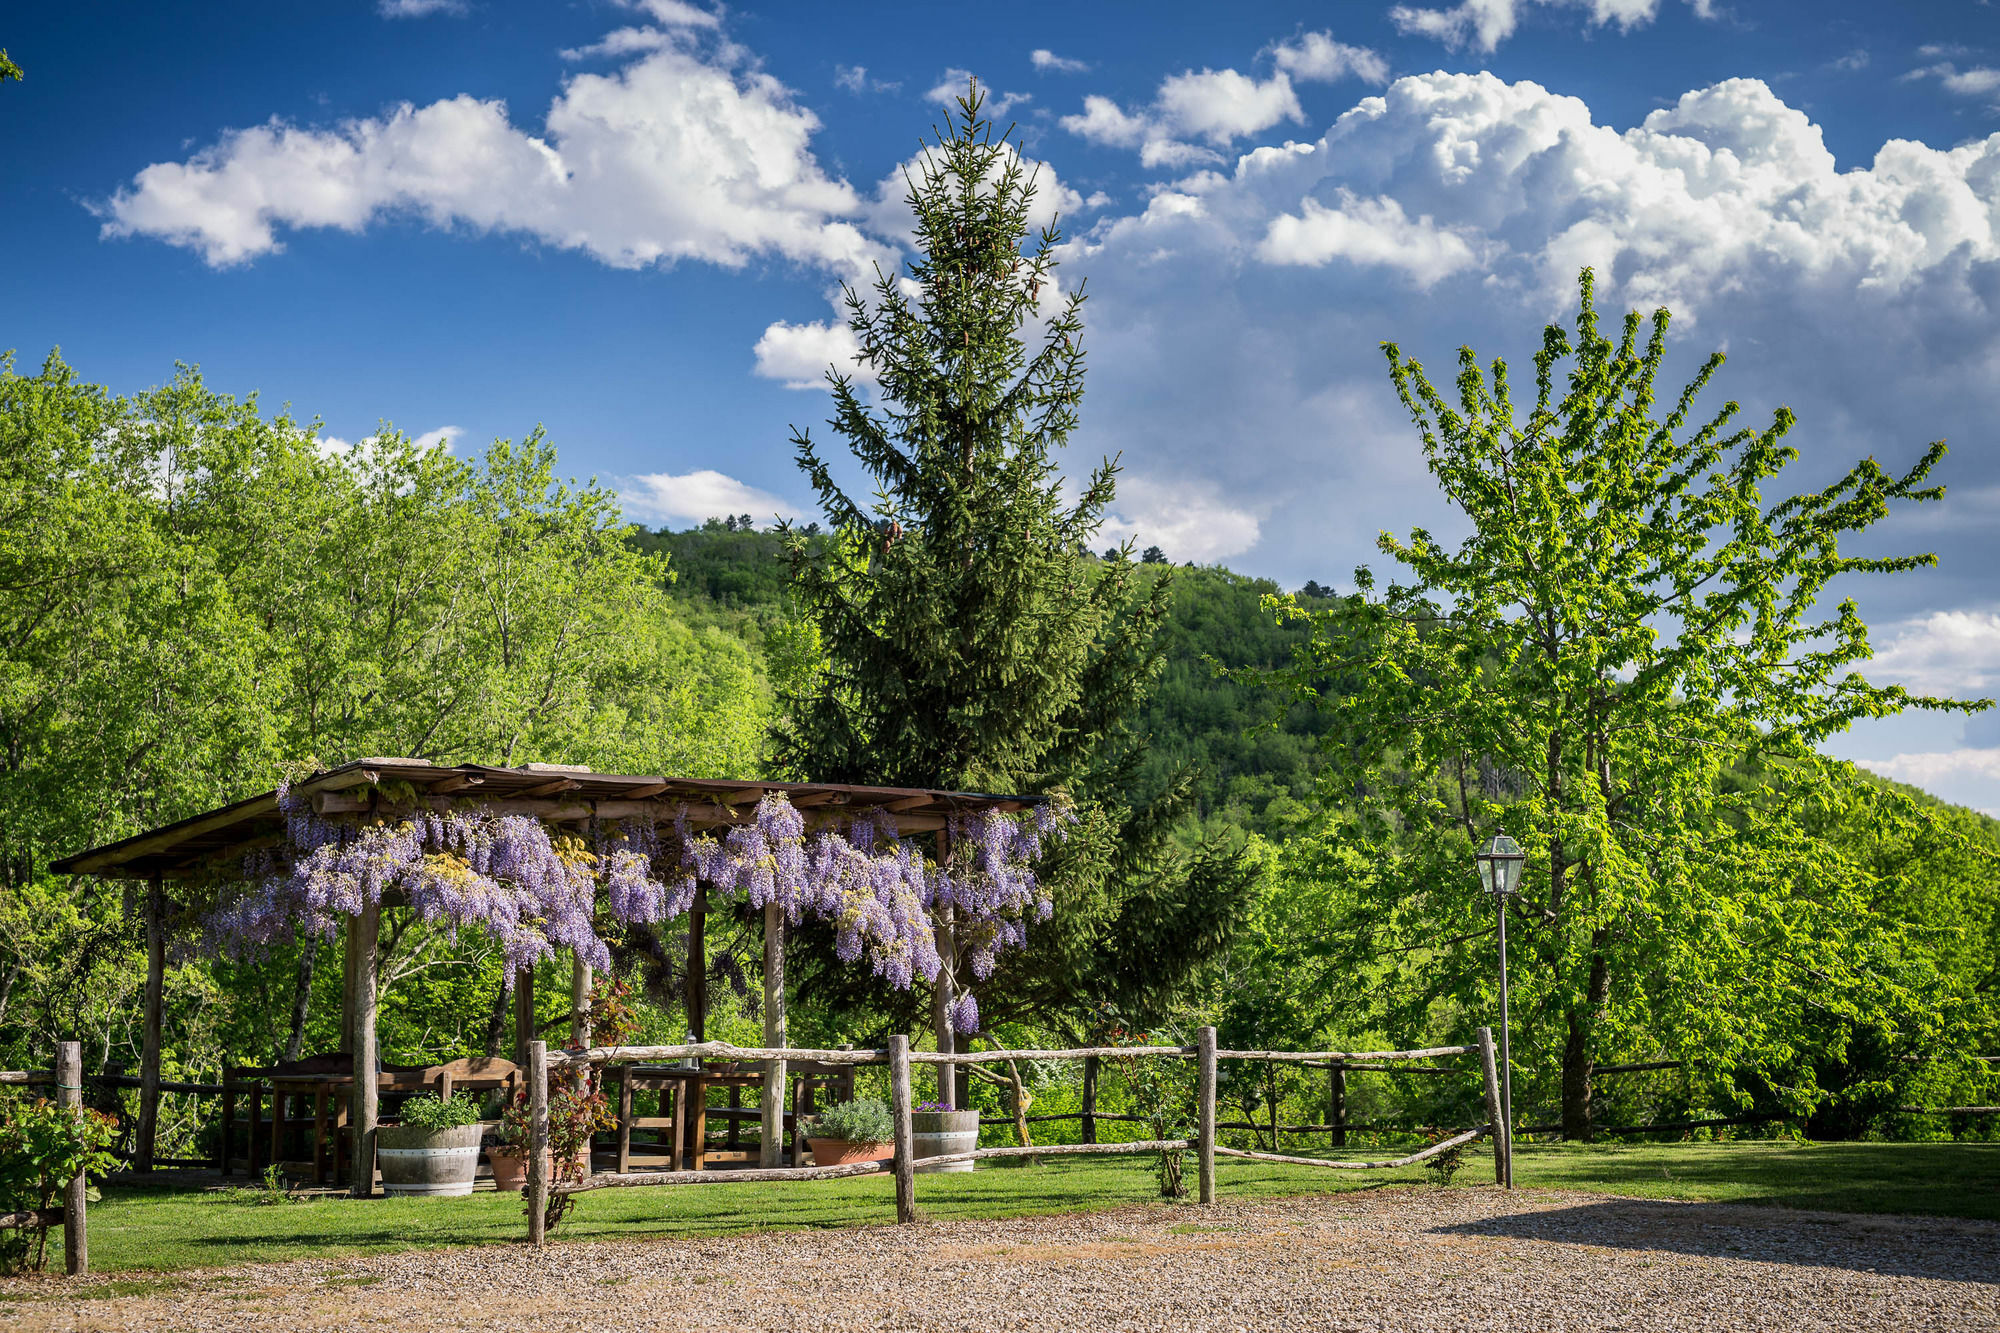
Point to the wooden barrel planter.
(437, 1162)
(936, 1133)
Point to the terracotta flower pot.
(510, 1167)
(839, 1152)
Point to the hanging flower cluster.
(536, 892)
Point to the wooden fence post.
(899, 1098)
(1090, 1066)
(69, 1094)
(538, 1142)
(1503, 1143)
(1336, 1105)
(1205, 1111)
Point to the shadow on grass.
(1728, 1231)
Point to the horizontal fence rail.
(544, 1064)
(1342, 1057)
(1436, 1149)
(710, 1050)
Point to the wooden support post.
(538, 1142)
(69, 1094)
(771, 1147)
(625, 1120)
(1205, 1110)
(580, 982)
(1090, 1067)
(228, 1126)
(580, 985)
(697, 964)
(1503, 1142)
(362, 1106)
(899, 1104)
(524, 1012)
(347, 957)
(941, 998)
(253, 1134)
(944, 934)
(1336, 1105)
(149, 1050)
(802, 1106)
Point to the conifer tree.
(969, 641)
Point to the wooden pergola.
(216, 842)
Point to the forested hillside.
(1251, 750)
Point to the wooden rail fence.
(543, 1063)
(68, 1081)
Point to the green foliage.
(43, 1147)
(863, 1120)
(969, 641)
(1621, 666)
(194, 596)
(427, 1112)
(8, 69)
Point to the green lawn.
(162, 1230)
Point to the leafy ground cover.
(160, 1230)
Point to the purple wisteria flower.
(536, 891)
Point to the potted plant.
(936, 1129)
(856, 1131)
(434, 1150)
(574, 1115)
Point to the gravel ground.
(1390, 1259)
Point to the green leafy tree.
(1623, 666)
(967, 639)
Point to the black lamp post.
(1500, 863)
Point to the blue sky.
(625, 221)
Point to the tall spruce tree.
(968, 640)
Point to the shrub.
(863, 1120)
(1447, 1163)
(428, 1113)
(574, 1115)
(42, 1148)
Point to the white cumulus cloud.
(1238, 313)
(1365, 231)
(1046, 61)
(1314, 57)
(688, 152)
(694, 497)
(1187, 520)
(417, 9)
(799, 355)
(1484, 24)
(1953, 653)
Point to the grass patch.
(146, 1229)
(1934, 1179)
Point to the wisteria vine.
(535, 891)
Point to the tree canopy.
(968, 639)
(1625, 666)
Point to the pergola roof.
(555, 792)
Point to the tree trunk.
(302, 999)
(496, 1016)
(1579, 1057)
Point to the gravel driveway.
(1386, 1259)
